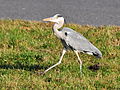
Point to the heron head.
(56, 18)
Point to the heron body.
(75, 41)
(71, 40)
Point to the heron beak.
(47, 19)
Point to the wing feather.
(79, 42)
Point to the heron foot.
(40, 73)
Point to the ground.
(29, 47)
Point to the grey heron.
(71, 40)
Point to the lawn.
(29, 47)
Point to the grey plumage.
(78, 42)
(71, 40)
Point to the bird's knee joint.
(59, 62)
(80, 62)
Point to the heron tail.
(96, 52)
(98, 55)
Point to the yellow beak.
(47, 19)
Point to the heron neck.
(58, 25)
(55, 29)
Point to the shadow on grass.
(24, 67)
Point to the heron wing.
(79, 42)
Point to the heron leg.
(79, 60)
(63, 52)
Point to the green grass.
(28, 47)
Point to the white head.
(58, 19)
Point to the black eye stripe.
(60, 16)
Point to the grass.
(28, 47)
